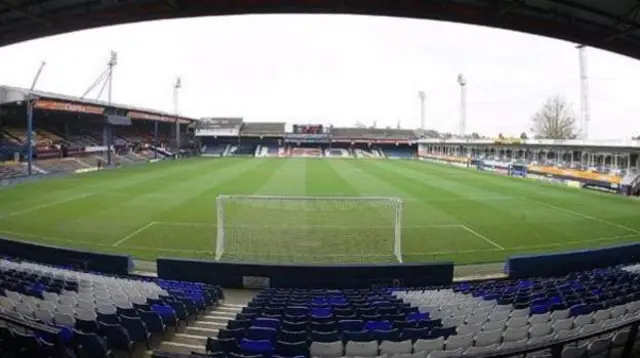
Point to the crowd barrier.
(561, 263)
(54, 255)
(253, 275)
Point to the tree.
(523, 136)
(555, 120)
(360, 125)
(500, 136)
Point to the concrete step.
(215, 318)
(192, 339)
(201, 331)
(176, 347)
(208, 324)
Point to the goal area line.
(196, 224)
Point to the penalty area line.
(496, 245)
(134, 233)
(43, 206)
(584, 216)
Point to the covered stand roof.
(607, 24)
(60, 102)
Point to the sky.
(335, 69)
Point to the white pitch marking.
(585, 216)
(499, 247)
(175, 223)
(555, 244)
(42, 206)
(136, 232)
(195, 224)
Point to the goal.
(308, 229)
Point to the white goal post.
(309, 229)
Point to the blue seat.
(540, 309)
(92, 346)
(237, 333)
(377, 325)
(180, 310)
(323, 326)
(293, 326)
(153, 321)
(108, 318)
(251, 347)
(266, 322)
(418, 316)
(578, 310)
(261, 333)
(319, 314)
(117, 336)
(87, 326)
(242, 355)
(137, 330)
(292, 336)
(387, 335)
(445, 332)
(350, 325)
(168, 314)
(226, 345)
(357, 336)
(415, 333)
(325, 337)
(297, 311)
(292, 349)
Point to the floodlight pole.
(585, 113)
(462, 81)
(176, 91)
(30, 103)
(423, 98)
(113, 61)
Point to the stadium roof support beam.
(25, 13)
(625, 29)
(504, 9)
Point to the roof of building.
(607, 24)
(9, 94)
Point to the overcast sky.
(335, 69)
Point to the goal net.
(289, 229)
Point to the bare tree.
(555, 120)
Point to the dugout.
(254, 275)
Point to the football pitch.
(168, 209)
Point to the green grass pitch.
(449, 213)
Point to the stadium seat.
(394, 347)
(326, 349)
(424, 345)
(117, 337)
(92, 346)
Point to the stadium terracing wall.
(253, 275)
(561, 263)
(62, 256)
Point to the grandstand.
(70, 135)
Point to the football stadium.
(128, 231)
